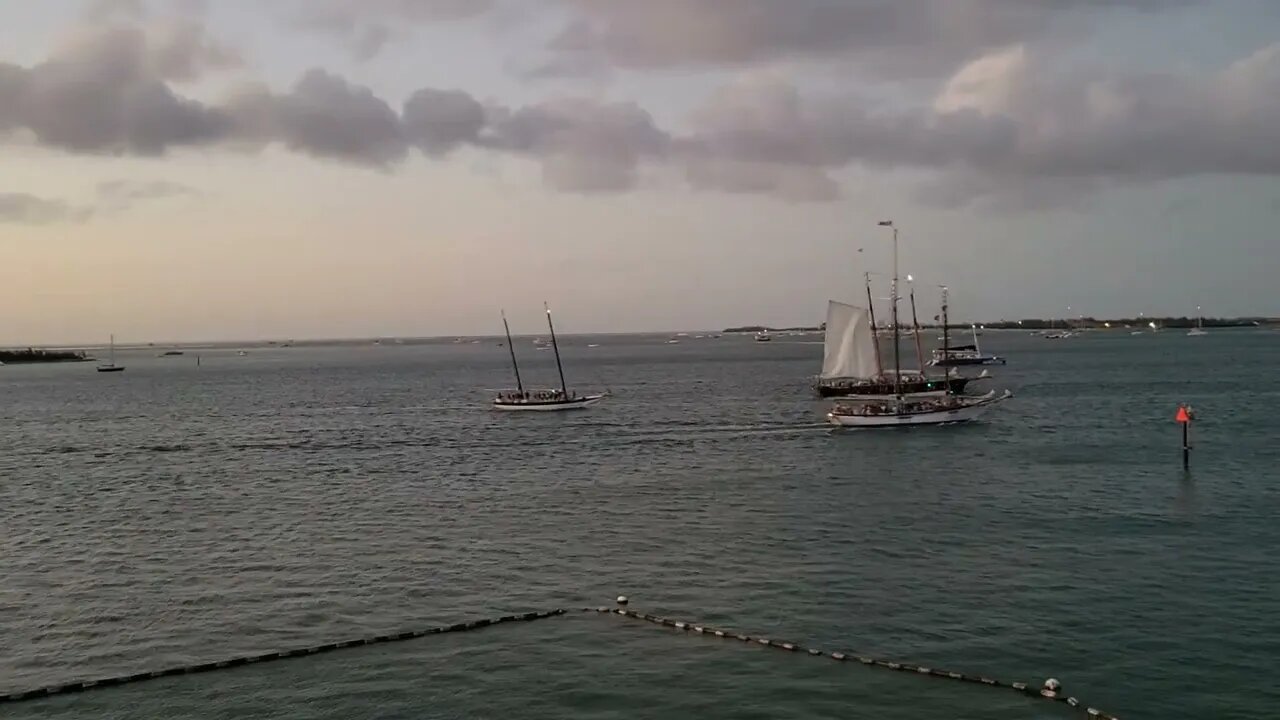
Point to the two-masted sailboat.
(552, 400)
(901, 409)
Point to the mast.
(946, 336)
(511, 346)
(554, 346)
(875, 338)
(113, 349)
(974, 328)
(897, 361)
(915, 325)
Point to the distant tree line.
(31, 355)
(1053, 323)
(1138, 322)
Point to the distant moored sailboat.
(1198, 330)
(110, 365)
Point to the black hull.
(960, 362)
(955, 385)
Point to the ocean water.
(174, 514)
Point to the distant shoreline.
(1058, 324)
(32, 356)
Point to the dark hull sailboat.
(961, 355)
(913, 386)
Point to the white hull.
(968, 411)
(1197, 332)
(577, 403)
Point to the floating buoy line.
(1050, 690)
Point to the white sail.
(849, 349)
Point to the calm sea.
(294, 496)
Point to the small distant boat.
(521, 399)
(110, 365)
(673, 341)
(171, 353)
(952, 356)
(763, 336)
(1198, 330)
(242, 353)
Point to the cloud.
(23, 209)
(438, 121)
(324, 116)
(367, 26)
(113, 196)
(1008, 128)
(107, 90)
(1011, 127)
(915, 37)
(99, 11)
(128, 191)
(584, 145)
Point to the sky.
(184, 170)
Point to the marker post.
(1183, 418)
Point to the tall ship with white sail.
(902, 409)
(851, 365)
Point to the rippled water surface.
(294, 496)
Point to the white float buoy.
(622, 599)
